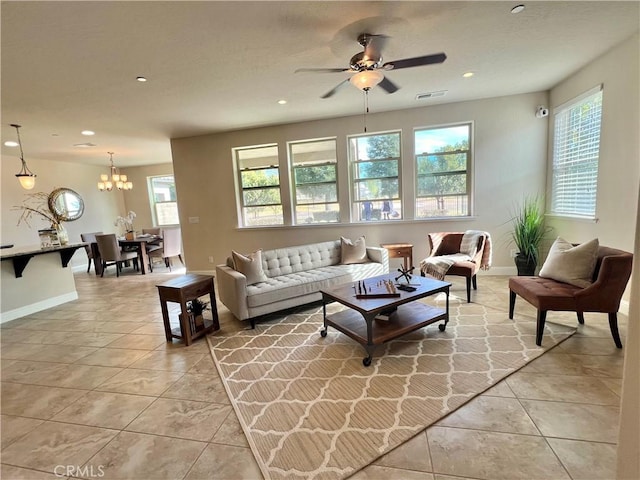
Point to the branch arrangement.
(37, 204)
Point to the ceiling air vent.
(424, 96)
(84, 145)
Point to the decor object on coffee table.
(610, 276)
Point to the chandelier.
(113, 179)
(26, 177)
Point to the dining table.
(140, 244)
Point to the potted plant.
(528, 232)
(195, 309)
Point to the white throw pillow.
(569, 264)
(353, 252)
(250, 266)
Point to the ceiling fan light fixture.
(367, 79)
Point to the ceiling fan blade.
(322, 70)
(388, 86)
(334, 90)
(415, 61)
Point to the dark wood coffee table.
(405, 314)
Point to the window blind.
(576, 150)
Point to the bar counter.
(34, 279)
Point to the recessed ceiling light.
(10, 143)
(282, 102)
(88, 132)
(141, 79)
(517, 9)
(467, 74)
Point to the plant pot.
(525, 265)
(130, 235)
(195, 322)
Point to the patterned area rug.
(311, 410)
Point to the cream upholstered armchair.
(446, 257)
(171, 247)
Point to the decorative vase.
(525, 265)
(63, 235)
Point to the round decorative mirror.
(66, 204)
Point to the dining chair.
(112, 254)
(89, 238)
(171, 247)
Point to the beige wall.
(509, 161)
(619, 167)
(138, 198)
(618, 209)
(101, 208)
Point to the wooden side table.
(182, 290)
(400, 250)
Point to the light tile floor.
(91, 389)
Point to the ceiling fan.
(367, 66)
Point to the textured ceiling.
(215, 66)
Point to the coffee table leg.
(323, 332)
(442, 326)
(366, 361)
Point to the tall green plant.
(529, 228)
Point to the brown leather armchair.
(610, 277)
(448, 243)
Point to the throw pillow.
(250, 266)
(569, 264)
(469, 243)
(353, 252)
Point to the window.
(375, 169)
(163, 200)
(443, 157)
(259, 184)
(576, 148)
(314, 177)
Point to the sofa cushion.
(353, 252)
(292, 285)
(569, 264)
(283, 287)
(250, 266)
(282, 261)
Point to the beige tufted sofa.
(295, 276)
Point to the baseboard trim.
(37, 307)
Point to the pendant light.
(113, 179)
(26, 177)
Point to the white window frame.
(468, 152)
(295, 165)
(153, 203)
(358, 205)
(241, 190)
(574, 164)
